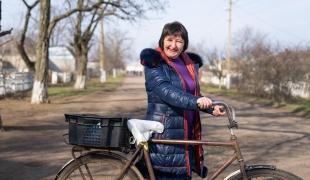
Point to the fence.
(63, 77)
(301, 89)
(11, 82)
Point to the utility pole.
(1, 125)
(103, 76)
(228, 53)
(0, 13)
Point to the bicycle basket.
(98, 131)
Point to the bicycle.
(120, 163)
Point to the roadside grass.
(299, 105)
(93, 85)
(67, 90)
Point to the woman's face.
(173, 46)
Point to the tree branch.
(20, 44)
(84, 9)
(3, 33)
(25, 57)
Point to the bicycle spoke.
(106, 169)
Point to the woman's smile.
(173, 46)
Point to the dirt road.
(32, 146)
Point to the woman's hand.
(218, 111)
(204, 103)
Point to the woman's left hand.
(218, 111)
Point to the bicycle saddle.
(142, 129)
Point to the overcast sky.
(286, 21)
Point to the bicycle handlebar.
(230, 111)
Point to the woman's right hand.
(204, 102)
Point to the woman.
(171, 81)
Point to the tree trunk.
(80, 82)
(103, 76)
(39, 92)
(220, 82)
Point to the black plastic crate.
(98, 131)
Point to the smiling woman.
(174, 45)
(174, 99)
(173, 40)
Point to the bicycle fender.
(259, 166)
(62, 168)
(249, 168)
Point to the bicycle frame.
(233, 143)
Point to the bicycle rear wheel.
(266, 174)
(97, 166)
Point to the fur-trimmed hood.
(151, 58)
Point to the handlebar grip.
(230, 111)
(208, 110)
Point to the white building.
(134, 69)
(61, 64)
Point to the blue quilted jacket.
(167, 101)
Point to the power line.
(247, 3)
(268, 24)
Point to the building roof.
(60, 52)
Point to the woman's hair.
(174, 28)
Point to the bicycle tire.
(264, 174)
(101, 166)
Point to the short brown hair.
(174, 28)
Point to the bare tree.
(213, 60)
(46, 26)
(60, 35)
(82, 36)
(250, 47)
(216, 65)
(20, 44)
(126, 9)
(39, 93)
(269, 70)
(117, 47)
(249, 43)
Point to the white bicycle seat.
(142, 129)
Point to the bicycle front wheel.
(266, 174)
(97, 166)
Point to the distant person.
(172, 86)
